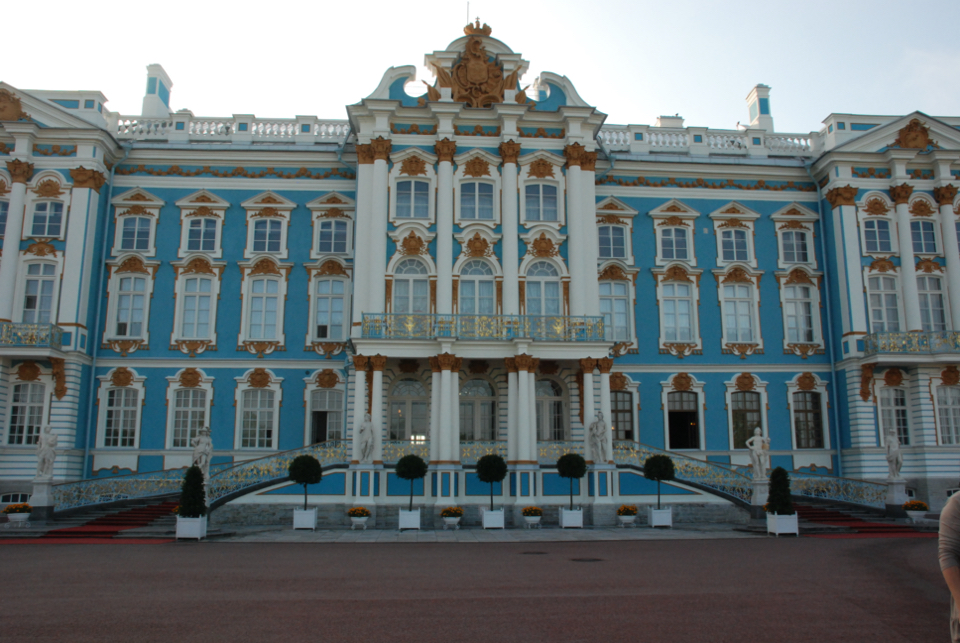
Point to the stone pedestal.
(896, 496)
(41, 500)
(761, 490)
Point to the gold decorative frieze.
(737, 275)
(133, 264)
(680, 349)
(265, 267)
(673, 221)
(426, 130)
(742, 349)
(477, 131)
(620, 349)
(793, 225)
(55, 150)
(268, 213)
(197, 265)
(541, 169)
(613, 272)
(542, 133)
(237, 172)
(203, 211)
(331, 267)
(798, 276)
(676, 273)
(413, 166)
(733, 223)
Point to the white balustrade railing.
(794, 144)
(191, 128)
(668, 140)
(140, 128)
(210, 128)
(615, 139)
(727, 142)
(278, 130)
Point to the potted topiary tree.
(305, 470)
(781, 518)
(491, 468)
(192, 510)
(410, 467)
(659, 467)
(572, 466)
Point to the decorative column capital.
(378, 362)
(842, 196)
(364, 154)
(84, 178)
(510, 151)
(381, 148)
(445, 150)
(526, 363)
(435, 364)
(360, 362)
(449, 362)
(605, 364)
(901, 193)
(589, 162)
(945, 194)
(511, 364)
(587, 364)
(20, 171)
(574, 154)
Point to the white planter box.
(359, 522)
(627, 521)
(305, 519)
(492, 519)
(777, 524)
(532, 522)
(571, 518)
(451, 523)
(917, 516)
(660, 517)
(192, 527)
(409, 519)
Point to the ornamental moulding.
(126, 346)
(798, 276)
(922, 208)
(20, 171)
(510, 151)
(59, 377)
(121, 377)
(412, 244)
(745, 382)
(11, 109)
(541, 169)
(680, 350)
(893, 377)
(260, 348)
(475, 79)
(331, 267)
(793, 225)
(676, 273)
(267, 213)
(198, 265)
(866, 377)
(543, 247)
(133, 264)
(875, 206)
(4, 188)
(914, 136)
(413, 129)
(717, 184)
(449, 362)
(41, 248)
(950, 376)
(48, 188)
(190, 378)
(803, 351)
(84, 178)
(682, 382)
(806, 382)
(259, 378)
(476, 167)
(618, 382)
(901, 193)
(737, 275)
(945, 194)
(542, 133)
(327, 379)
(477, 246)
(55, 150)
(612, 272)
(334, 213)
(193, 347)
(265, 267)
(882, 264)
(842, 196)
(28, 371)
(327, 349)
(673, 221)
(176, 170)
(928, 266)
(574, 154)
(413, 166)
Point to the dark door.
(318, 427)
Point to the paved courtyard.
(743, 589)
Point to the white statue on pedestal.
(366, 440)
(203, 451)
(598, 440)
(758, 455)
(46, 452)
(894, 457)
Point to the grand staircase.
(105, 525)
(847, 522)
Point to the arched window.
(683, 420)
(409, 411)
(26, 413)
(551, 419)
(329, 309)
(745, 413)
(477, 289)
(256, 431)
(411, 288)
(808, 420)
(39, 293)
(476, 201)
(135, 234)
(413, 199)
(478, 417)
(614, 306)
(613, 243)
(189, 415)
(264, 300)
(543, 289)
(326, 415)
(266, 236)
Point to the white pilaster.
(532, 405)
(446, 415)
(453, 455)
(434, 412)
(589, 412)
(948, 223)
(363, 272)
(512, 414)
(11, 249)
(908, 267)
(851, 258)
(445, 238)
(509, 213)
(376, 408)
(605, 408)
(81, 236)
(577, 240)
(523, 416)
(359, 402)
(378, 225)
(591, 246)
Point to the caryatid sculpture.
(203, 451)
(598, 440)
(46, 452)
(758, 454)
(366, 439)
(894, 456)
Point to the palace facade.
(483, 268)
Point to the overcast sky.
(632, 60)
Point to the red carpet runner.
(863, 529)
(105, 528)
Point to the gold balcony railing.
(482, 327)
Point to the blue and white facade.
(482, 269)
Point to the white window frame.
(31, 198)
(243, 384)
(311, 385)
(429, 176)
(631, 309)
(942, 278)
(204, 205)
(754, 286)
(889, 215)
(332, 206)
(315, 278)
(820, 387)
(675, 214)
(562, 276)
(135, 203)
(697, 387)
(759, 387)
(173, 385)
(45, 379)
(937, 241)
(679, 273)
(735, 216)
(113, 296)
(627, 257)
(460, 177)
(935, 384)
(253, 218)
(22, 277)
(801, 277)
(252, 271)
(558, 180)
(120, 219)
(106, 384)
(796, 218)
(186, 270)
(869, 273)
(912, 430)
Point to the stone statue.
(46, 452)
(894, 457)
(598, 440)
(366, 439)
(766, 455)
(757, 455)
(203, 451)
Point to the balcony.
(912, 343)
(30, 336)
(482, 327)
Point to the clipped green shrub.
(305, 470)
(778, 500)
(572, 466)
(491, 468)
(193, 498)
(411, 467)
(658, 467)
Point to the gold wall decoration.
(138, 210)
(264, 267)
(901, 193)
(331, 267)
(477, 131)
(701, 183)
(477, 30)
(11, 109)
(381, 148)
(732, 210)
(193, 347)
(612, 219)
(806, 382)
(915, 136)
(260, 348)
(574, 154)
(28, 371)
(542, 133)
(794, 212)
(928, 266)
(945, 194)
(4, 188)
(618, 382)
(55, 150)
(327, 379)
(190, 378)
(445, 150)
(477, 246)
(426, 130)
(475, 79)
(673, 221)
(333, 198)
(449, 362)
(549, 367)
(59, 377)
(950, 376)
(121, 376)
(893, 377)
(409, 366)
(476, 167)
(682, 382)
(871, 173)
(676, 273)
(364, 154)
(125, 346)
(20, 171)
(613, 272)
(90, 179)
(198, 265)
(478, 366)
(203, 198)
(620, 349)
(613, 206)
(842, 196)
(588, 365)
(270, 199)
(259, 378)
(509, 362)
(203, 211)
(327, 349)
(41, 248)
(412, 244)
(510, 151)
(798, 276)
(922, 208)
(679, 349)
(604, 364)
(334, 213)
(589, 162)
(882, 264)
(133, 264)
(543, 247)
(793, 225)
(48, 188)
(740, 348)
(541, 169)
(413, 166)
(176, 170)
(732, 223)
(866, 377)
(360, 362)
(737, 275)
(526, 363)
(745, 382)
(875, 206)
(268, 213)
(435, 364)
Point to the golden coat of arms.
(475, 79)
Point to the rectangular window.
(135, 234)
(795, 247)
(47, 219)
(38, 293)
(413, 199)
(329, 311)
(884, 310)
(256, 430)
(893, 413)
(745, 414)
(26, 413)
(196, 308)
(130, 299)
(677, 313)
(541, 201)
(621, 405)
(189, 415)
(808, 420)
(738, 313)
(932, 315)
(266, 236)
(673, 244)
(264, 300)
(326, 408)
(924, 238)
(734, 245)
(612, 242)
(615, 306)
(798, 309)
(948, 411)
(121, 426)
(202, 235)
(333, 237)
(476, 201)
(4, 211)
(876, 232)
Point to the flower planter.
(451, 523)
(191, 527)
(305, 519)
(627, 521)
(660, 517)
(917, 516)
(359, 522)
(777, 524)
(571, 518)
(17, 520)
(492, 519)
(409, 519)
(532, 522)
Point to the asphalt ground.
(766, 589)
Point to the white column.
(591, 246)
(377, 364)
(532, 404)
(445, 150)
(446, 415)
(362, 271)
(577, 240)
(605, 407)
(589, 413)
(378, 225)
(512, 411)
(948, 223)
(21, 173)
(908, 264)
(359, 402)
(510, 215)
(453, 455)
(843, 202)
(434, 410)
(523, 415)
(81, 236)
